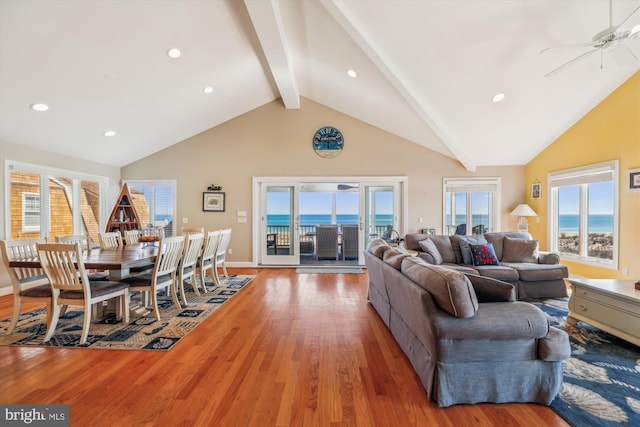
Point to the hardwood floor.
(288, 350)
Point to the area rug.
(141, 333)
(601, 385)
(329, 270)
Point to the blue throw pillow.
(484, 254)
(465, 247)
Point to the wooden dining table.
(118, 261)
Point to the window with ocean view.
(583, 220)
(469, 205)
(155, 202)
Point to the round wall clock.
(328, 142)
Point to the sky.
(278, 203)
(600, 199)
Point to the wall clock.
(328, 142)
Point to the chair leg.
(154, 304)
(88, 308)
(17, 308)
(174, 296)
(182, 294)
(224, 268)
(54, 322)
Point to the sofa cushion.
(538, 272)
(497, 237)
(429, 247)
(492, 290)
(451, 290)
(519, 250)
(465, 249)
(443, 243)
(378, 247)
(501, 272)
(394, 257)
(484, 254)
(455, 244)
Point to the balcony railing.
(307, 233)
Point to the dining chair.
(29, 284)
(70, 285)
(188, 263)
(350, 241)
(85, 242)
(220, 261)
(111, 239)
(131, 237)
(164, 272)
(327, 241)
(206, 262)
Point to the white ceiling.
(427, 70)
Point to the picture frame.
(213, 201)
(536, 190)
(633, 180)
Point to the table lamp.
(523, 211)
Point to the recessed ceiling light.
(174, 53)
(352, 74)
(39, 107)
(110, 133)
(498, 97)
(208, 89)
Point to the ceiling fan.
(613, 36)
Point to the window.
(470, 205)
(45, 202)
(155, 203)
(30, 212)
(583, 220)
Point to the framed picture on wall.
(633, 180)
(536, 190)
(213, 201)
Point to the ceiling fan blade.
(630, 26)
(577, 58)
(583, 44)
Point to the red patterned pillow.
(484, 254)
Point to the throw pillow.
(492, 290)
(484, 254)
(394, 257)
(465, 248)
(450, 289)
(519, 250)
(378, 247)
(429, 247)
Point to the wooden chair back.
(131, 237)
(111, 239)
(83, 239)
(59, 260)
(21, 250)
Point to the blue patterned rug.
(141, 333)
(601, 384)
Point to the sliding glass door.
(279, 225)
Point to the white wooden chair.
(29, 284)
(186, 230)
(85, 242)
(164, 272)
(63, 264)
(205, 263)
(219, 261)
(131, 237)
(187, 269)
(109, 240)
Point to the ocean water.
(568, 223)
(326, 219)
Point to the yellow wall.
(608, 132)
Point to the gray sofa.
(535, 274)
(466, 336)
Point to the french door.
(288, 209)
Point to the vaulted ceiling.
(426, 70)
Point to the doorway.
(324, 221)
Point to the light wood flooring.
(288, 350)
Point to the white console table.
(609, 304)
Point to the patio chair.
(327, 241)
(350, 241)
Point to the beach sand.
(599, 245)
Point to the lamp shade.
(523, 210)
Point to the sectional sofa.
(466, 336)
(510, 256)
